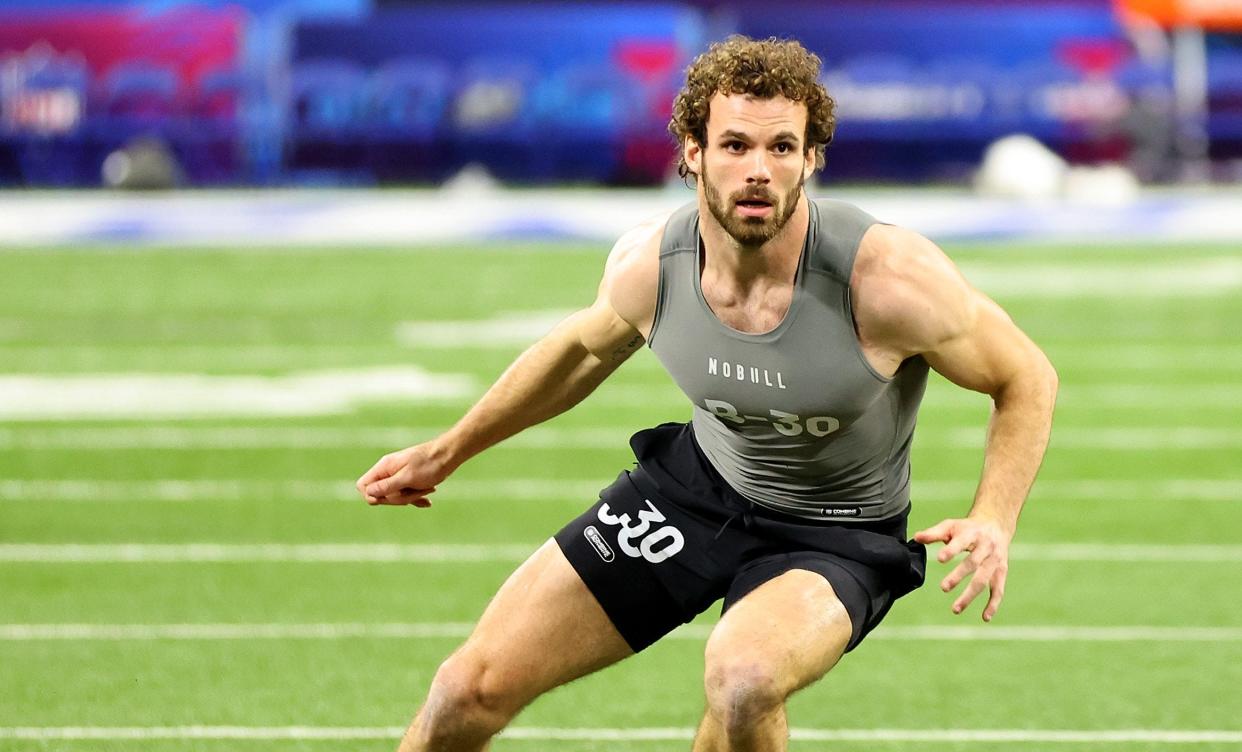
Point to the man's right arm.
(553, 375)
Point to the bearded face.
(754, 215)
(752, 164)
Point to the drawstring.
(748, 519)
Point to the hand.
(406, 477)
(988, 545)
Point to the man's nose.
(759, 170)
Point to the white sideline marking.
(994, 736)
(457, 630)
(505, 329)
(142, 553)
(534, 489)
(1133, 438)
(156, 395)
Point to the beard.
(751, 232)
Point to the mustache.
(757, 194)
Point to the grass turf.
(1147, 361)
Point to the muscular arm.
(553, 375)
(550, 377)
(917, 303)
(994, 357)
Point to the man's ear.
(692, 152)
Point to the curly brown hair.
(762, 68)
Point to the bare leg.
(543, 629)
(779, 638)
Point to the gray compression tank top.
(795, 419)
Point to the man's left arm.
(995, 357)
(971, 341)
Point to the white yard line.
(287, 437)
(1219, 396)
(506, 330)
(164, 396)
(1115, 358)
(1223, 395)
(146, 553)
(1150, 358)
(1117, 438)
(180, 395)
(1195, 278)
(530, 733)
(44, 490)
(176, 490)
(458, 630)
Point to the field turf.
(286, 628)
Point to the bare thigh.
(543, 629)
(791, 629)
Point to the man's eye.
(735, 146)
(783, 148)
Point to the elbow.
(1051, 379)
(1034, 386)
(1044, 383)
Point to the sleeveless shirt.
(794, 419)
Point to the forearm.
(550, 377)
(1017, 438)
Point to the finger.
(997, 594)
(389, 486)
(973, 588)
(978, 559)
(404, 497)
(958, 574)
(422, 502)
(377, 471)
(941, 531)
(413, 499)
(959, 543)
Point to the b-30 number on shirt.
(788, 424)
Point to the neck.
(777, 257)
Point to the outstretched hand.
(402, 478)
(987, 544)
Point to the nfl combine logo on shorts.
(599, 544)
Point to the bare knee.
(468, 703)
(742, 693)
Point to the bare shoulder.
(632, 274)
(908, 295)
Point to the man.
(802, 331)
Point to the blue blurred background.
(362, 92)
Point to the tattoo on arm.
(624, 351)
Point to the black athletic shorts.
(671, 537)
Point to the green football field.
(184, 564)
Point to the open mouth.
(754, 207)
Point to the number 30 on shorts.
(653, 545)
